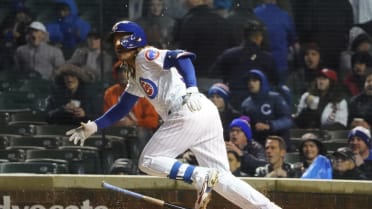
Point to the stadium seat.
(29, 167)
(48, 129)
(292, 157)
(13, 155)
(62, 165)
(48, 142)
(91, 159)
(31, 117)
(74, 158)
(334, 144)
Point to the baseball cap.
(345, 153)
(38, 26)
(328, 73)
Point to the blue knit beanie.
(244, 126)
(362, 133)
(220, 89)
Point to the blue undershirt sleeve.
(181, 60)
(118, 111)
(187, 70)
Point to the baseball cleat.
(210, 180)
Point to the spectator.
(71, 101)
(93, 56)
(360, 106)
(143, 113)
(269, 112)
(314, 23)
(362, 11)
(323, 105)
(361, 63)
(359, 140)
(307, 68)
(361, 43)
(219, 94)
(196, 32)
(67, 30)
(281, 34)
(235, 164)
(344, 166)
(13, 31)
(275, 149)
(37, 55)
(359, 122)
(158, 26)
(237, 61)
(313, 157)
(240, 13)
(250, 152)
(222, 7)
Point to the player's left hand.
(193, 99)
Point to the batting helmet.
(137, 36)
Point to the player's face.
(310, 150)
(122, 53)
(238, 137)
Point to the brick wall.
(84, 192)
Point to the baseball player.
(191, 121)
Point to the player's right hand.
(81, 133)
(193, 99)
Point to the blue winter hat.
(244, 126)
(220, 89)
(362, 133)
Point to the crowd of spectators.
(280, 64)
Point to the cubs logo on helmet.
(149, 87)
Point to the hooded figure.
(269, 112)
(68, 29)
(71, 102)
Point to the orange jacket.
(143, 110)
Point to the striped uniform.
(200, 131)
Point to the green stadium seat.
(29, 167)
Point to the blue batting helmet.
(137, 36)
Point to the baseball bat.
(148, 199)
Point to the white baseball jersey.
(163, 87)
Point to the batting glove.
(82, 132)
(193, 99)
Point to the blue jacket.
(281, 32)
(267, 107)
(68, 31)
